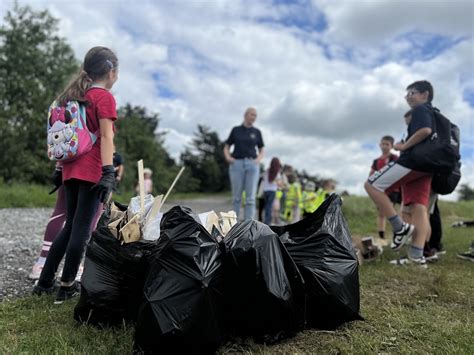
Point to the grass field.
(407, 309)
(30, 195)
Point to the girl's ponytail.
(76, 89)
(98, 62)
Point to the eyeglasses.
(411, 93)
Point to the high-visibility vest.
(309, 201)
(321, 195)
(279, 194)
(294, 195)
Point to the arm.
(227, 155)
(119, 172)
(261, 154)
(416, 138)
(106, 141)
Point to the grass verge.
(407, 309)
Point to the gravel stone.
(21, 236)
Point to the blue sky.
(326, 76)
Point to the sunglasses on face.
(411, 93)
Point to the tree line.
(35, 64)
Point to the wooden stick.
(141, 184)
(154, 209)
(172, 186)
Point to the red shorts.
(415, 185)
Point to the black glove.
(57, 180)
(106, 184)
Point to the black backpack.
(446, 183)
(439, 153)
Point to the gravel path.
(21, 235)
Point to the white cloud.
(214, 59)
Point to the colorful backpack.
(68, 135)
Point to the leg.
(381, 200)
(58, 248)
(269, 198)
(81, 227)
(381, 224)
(236, 174)
(55, 223)
(250, 181)
(422, 225)
(436, 228)
(54, 226)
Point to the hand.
(230, 160)
(399, 146)
(57, 179)
(106, 183)
(118, 178)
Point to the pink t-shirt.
(89, 166)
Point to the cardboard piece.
(131, 231)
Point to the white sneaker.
(405, 260)
(36, 271)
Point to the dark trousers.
(81, 207)
(261, 206)
(269, 197)
(436, 229)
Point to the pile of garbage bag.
(203, 280)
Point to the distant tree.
(136, 139)
(206, 162)
(465, 193)
(35, 64)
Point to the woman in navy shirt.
(244, 162)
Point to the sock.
(396, 222)
(41, 260)
(415, 252)
(382, 234)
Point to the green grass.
(407, 309)
(30, 195)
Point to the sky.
(327, 77)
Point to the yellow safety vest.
(310, 198)
(293, 195)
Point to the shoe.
(67, 292)
(405, 260)
(36, 271)
(431, 255)
(469, 255)
(466, 256)
(40, 290)
(402, 237)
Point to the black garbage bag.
(181, 309)
(263, 287)
(321, 247)
(113, 278)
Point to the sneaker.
(405, 260)
(466, 256)
(403, 236)
(431, 255)
(421, 261)
(469, 255)
(40, 290)
(36, 271)
(67, 292)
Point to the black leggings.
(81, 205)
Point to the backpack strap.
(83, 122)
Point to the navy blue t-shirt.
(245, 141)
(421, 117)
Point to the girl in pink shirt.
(89, 179)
